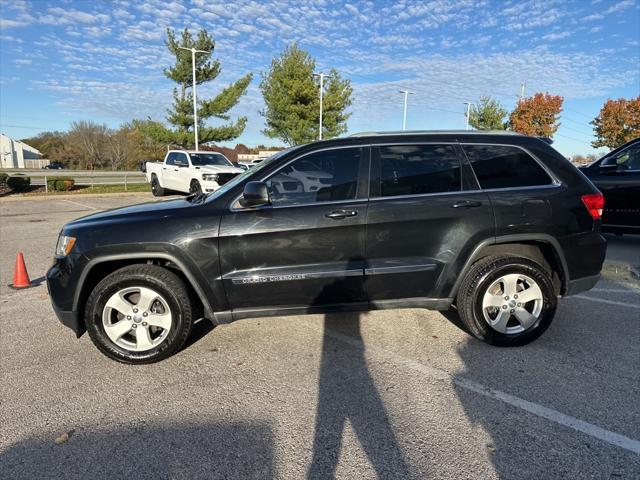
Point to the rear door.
(425, 215)
(306, 249)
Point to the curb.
(74, 195)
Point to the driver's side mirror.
(255, 194)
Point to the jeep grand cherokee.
(495, 225)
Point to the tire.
(156, 188)
(160, 294)
(195, 188)
(483, 295)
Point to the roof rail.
(435, 132)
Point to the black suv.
(497, 225)
(617, 175)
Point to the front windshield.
(202, 159)
(236, 180)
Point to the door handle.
(164, 168)
(467, 204)
(338, 214)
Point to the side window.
(328, 176)
(171, 159)
(628, 159)
(181, 159)
(498, 166)
(418, 169)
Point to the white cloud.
(556, 35)
(4, 23)
(620, 6)
(22, 61)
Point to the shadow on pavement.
(347, 393)
(190, 451)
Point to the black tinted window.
(418, 169)
(327, 176)
(505, 167)
(171, 159)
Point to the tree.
(91, 139)
(207, 69)
(292, 103)
(537, 115)
(617, 123)
(488, 114)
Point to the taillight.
(594, 203)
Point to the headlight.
(65, 244)
(210, 177)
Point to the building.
(16, 154)
(261, 155)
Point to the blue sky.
(102, 60)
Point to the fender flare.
(209, 312)
(515, 238)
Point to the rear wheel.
(139, 314)
(156, 188)
(506, 301)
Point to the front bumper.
(61, 287)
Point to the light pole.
(321, 75)
(195, 102)
(404, 117)
(468, 104)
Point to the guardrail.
(80, 177)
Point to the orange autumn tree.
(617, 123)
(537, 115)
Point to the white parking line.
(610, 302)
(616, 290)
(79, 204)
(530, 407)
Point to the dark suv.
(497, 225)
(617, 175)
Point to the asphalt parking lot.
(391, 394)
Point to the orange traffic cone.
(20, 275)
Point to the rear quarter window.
(500, 166)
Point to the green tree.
(181, 114)
(292, 103)
(488, 114)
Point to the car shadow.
(198, 450)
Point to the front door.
(306, 249)
(425, 214)
(620, 185)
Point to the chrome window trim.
(240, 208)
(555, 182)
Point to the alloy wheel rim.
(512, 304)
(137, 319)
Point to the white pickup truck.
(190, 171)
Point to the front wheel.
(506, 301)
(195, 188)
(139, 314)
